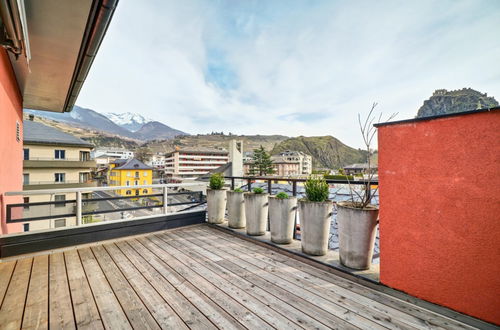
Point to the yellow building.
(130, 172)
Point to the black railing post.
(369, 192)
(249, 184)
(269, 186)
(232, 183)
(294, 188)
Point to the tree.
(262, 163)
(143, 154)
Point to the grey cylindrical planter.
(357, 230)
(216, 205)
(236, 209)
(282, 219)
(256, 211)
(315, 219)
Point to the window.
(84, 177)
(26, 226)
(84, 156)
(59, 223)
(136, 174)
(26, 153)
(59, 177)
(145, 182)
(136, 183)
(145, 191)
(59, 154)
(60, 198)
(129, 192)
(137, 192)
(145, 173)
(26, 200)
(128, 183)
(26, 178)
(128, 173)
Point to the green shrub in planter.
(258, 190)
(238, 190)
(282, 195)
(317, 189)
(216, 181)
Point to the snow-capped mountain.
(128, 120)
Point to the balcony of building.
(48, 162)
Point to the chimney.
(31, 117)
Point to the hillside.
(250, 142)
(98, 138)
(155, 130)
(326, 151)
(466, 99)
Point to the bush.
(317, 189)
(216, 181)
(339, 177)
(238, 190)
(258, 190)
(282, 195)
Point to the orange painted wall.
(11, 158)
(440, 211)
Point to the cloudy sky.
(290, 67)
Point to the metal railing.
(195, 198)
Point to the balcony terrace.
(194, 277)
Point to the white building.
(189, 164)
(116, 153)
(305, 160)
(158, 160)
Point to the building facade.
(53, 159)
(304, 160)
(130, 173)
(189, 164)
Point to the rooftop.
(193, 277)
(37, 133)
(133, 164)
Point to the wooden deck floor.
(194, 277)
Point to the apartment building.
(157, 161)
(130, 172)
(104, 156)
(305, 160)
(189, 164)
(52, 160)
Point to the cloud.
(290, 67)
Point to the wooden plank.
(84, 306)
(11, 312)
(6, 270)
(36, 312)
(209, 260)
(421, 316)
(111, 312)
(159, 308)
(312, 310)
(60, 305)
(259, 308)
(174, 295)
(359, 304)
(338, 309)
(227, 303)
(137, 314)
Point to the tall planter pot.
(256, 211)
(357, 230)
(315, 219)
(216, 205)
(282, 219)
(236, 209)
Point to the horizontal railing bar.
(45, 217)
(44, 203)
(122, 210)
(91, 189)
(120, 197)
(267, 178)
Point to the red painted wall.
(11, 158)
(440, 211)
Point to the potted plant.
(236, 209)
(256, 211)
(282, 210)
(315, 217)
(216, 199)
(357, 218)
